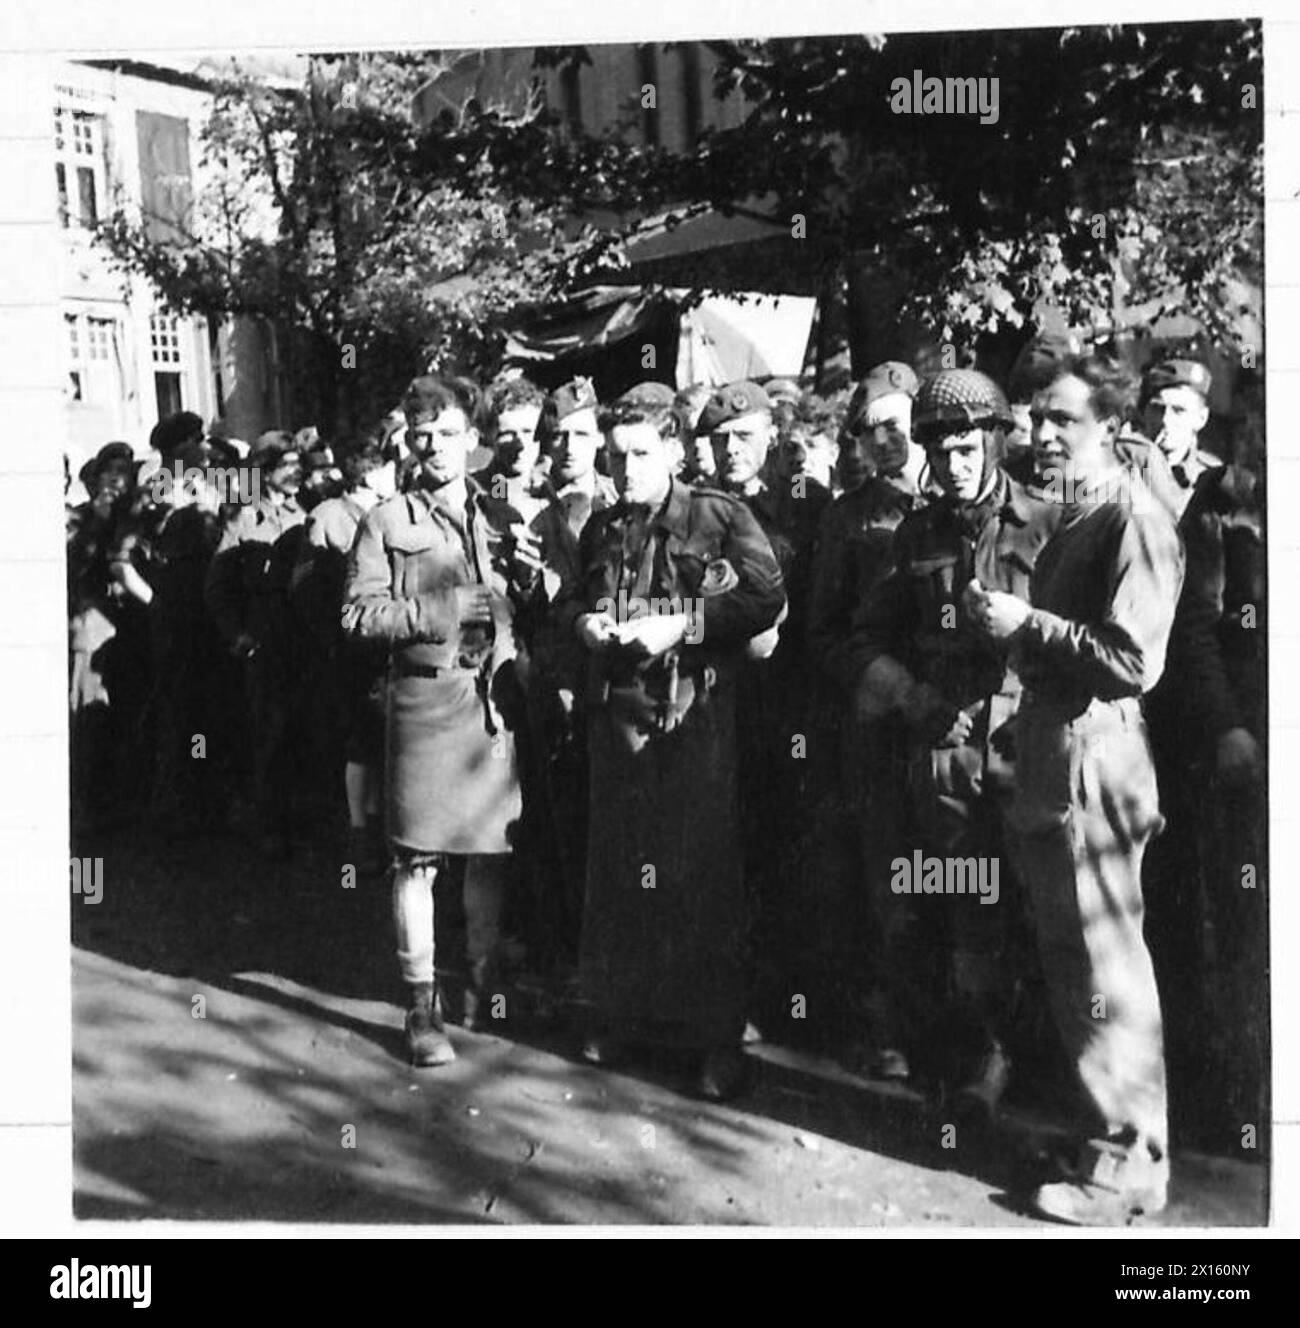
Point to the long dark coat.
(663, 924)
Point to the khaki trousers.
(1085, 807)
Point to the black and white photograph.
(659, 633)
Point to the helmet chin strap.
(988, 483)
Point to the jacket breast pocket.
(408, 550)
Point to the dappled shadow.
(239, 1114)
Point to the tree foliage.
(1125, 164)
(330, 210)
(1124, 171)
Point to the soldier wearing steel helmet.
(917, 657)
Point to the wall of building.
(126, 359)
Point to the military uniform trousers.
(1085, 806)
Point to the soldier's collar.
(762, 499)
(439, 500)
(1016, 500)
(588, 487)
(893, 485)
(675, 515)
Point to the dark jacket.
(248, 579)
(915, 614)
(854, 550)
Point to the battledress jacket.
(453, 785)
(916, 617)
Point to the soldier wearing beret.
(247, 595)
(920, 659)
(434, 576)
(575, 488)
(697, 449)
(1175, 408)
(737, 420)
(774, 701)
(880, 467)
(1207, 734)
(674, 583)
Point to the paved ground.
(249, 1111)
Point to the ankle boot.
(426, 1039)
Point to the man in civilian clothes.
(1088, 643)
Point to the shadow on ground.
(245, 1112)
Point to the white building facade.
(129, 137)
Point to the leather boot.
(426, 1039)
(981, 1094)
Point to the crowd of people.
(913, 713)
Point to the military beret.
(891, 376)
(647, 396)
(957, 399)
(1176, 373)
(882, 381)
(577, 394)
(730, 403)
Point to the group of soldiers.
(730, 696)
